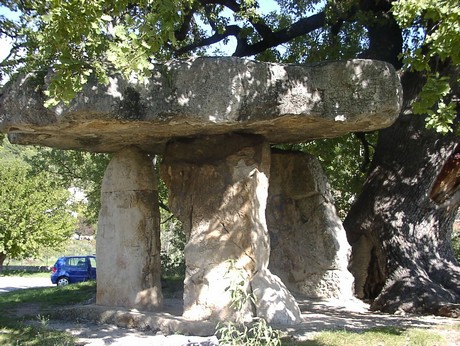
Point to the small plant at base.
(232, 333)
(44, 321)
(238, 333)
(238, 294)
(41, 330)
(264, 334)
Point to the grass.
(21, 334)
(48, 297)
(15, 330)
(383, 336)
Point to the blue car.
(71, 269)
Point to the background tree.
(77, 170)
(400, 238)
(33, 211)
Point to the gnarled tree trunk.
(401, 252)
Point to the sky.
(4, 44)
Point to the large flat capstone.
(208, 96)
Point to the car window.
(93, 262)
(75, 262)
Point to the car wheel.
(63, 281)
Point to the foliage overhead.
(79, 39)
(433, 39)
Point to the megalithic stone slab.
(128, 237)
(309, 244)
(284, 103)
(218, 188)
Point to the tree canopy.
(79, 39)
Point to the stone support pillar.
(309, 245)
(218, 188)
(128, 238)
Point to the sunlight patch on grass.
(33, 336)
(386, 336)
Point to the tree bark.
(402, 258)
(2, 260)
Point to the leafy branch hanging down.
(435, 30)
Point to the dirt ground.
(97, 326)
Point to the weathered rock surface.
(128, 237)
(309, 248)
(218, 188)
(208, 96)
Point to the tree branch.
(14, 49)
(263, 29)
(299, 28)
(385, 41)
(164, 206)
(181, 33)
(366, 159)
(231, 30)
(208, 16)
